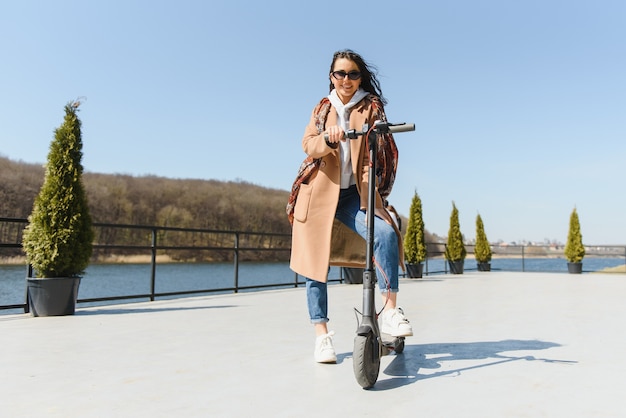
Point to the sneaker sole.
(397, 334)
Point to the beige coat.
(318, 240)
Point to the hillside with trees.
(152, 200)
(157, 201)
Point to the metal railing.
(523, 253)
(231, 245)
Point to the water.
(107, 280)
(541, 264)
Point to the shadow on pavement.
(418, 360)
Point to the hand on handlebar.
(334, 134)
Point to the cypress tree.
(414, 241)
(574, 249)
(482, 250)
(455, 250)
(58, 239)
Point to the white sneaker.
(395, 324)
(324, 350)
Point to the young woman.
(338, 189)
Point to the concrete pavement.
(486, 344)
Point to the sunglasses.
(352, 75)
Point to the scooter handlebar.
(405, 127)
(401, 127)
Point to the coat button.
(323, 164)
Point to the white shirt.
(343, 120)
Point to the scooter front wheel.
(366, 358)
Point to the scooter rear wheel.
(366, 358)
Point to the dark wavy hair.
(369, 81)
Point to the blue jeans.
(385, 253)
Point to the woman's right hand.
(334, 134)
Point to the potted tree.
(414, 242)
(455, 250)
(574, 249)
(59, 237)
(482, 250)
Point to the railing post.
(29, 274)
(523, 265)
(153, 266)
(236, 258)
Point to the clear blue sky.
(520, 106)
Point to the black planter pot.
(456, 267)
(484, 266)
(52, 296)
(414, 270)
(575, 268)
(353, 275)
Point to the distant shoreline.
(166, 259)
(616, 269)
(113, 259)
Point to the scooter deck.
(391, 343)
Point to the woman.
(338, 189)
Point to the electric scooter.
(370, 344)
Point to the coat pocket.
(302, 205)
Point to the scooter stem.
(369, 275)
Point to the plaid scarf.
(386, 161)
